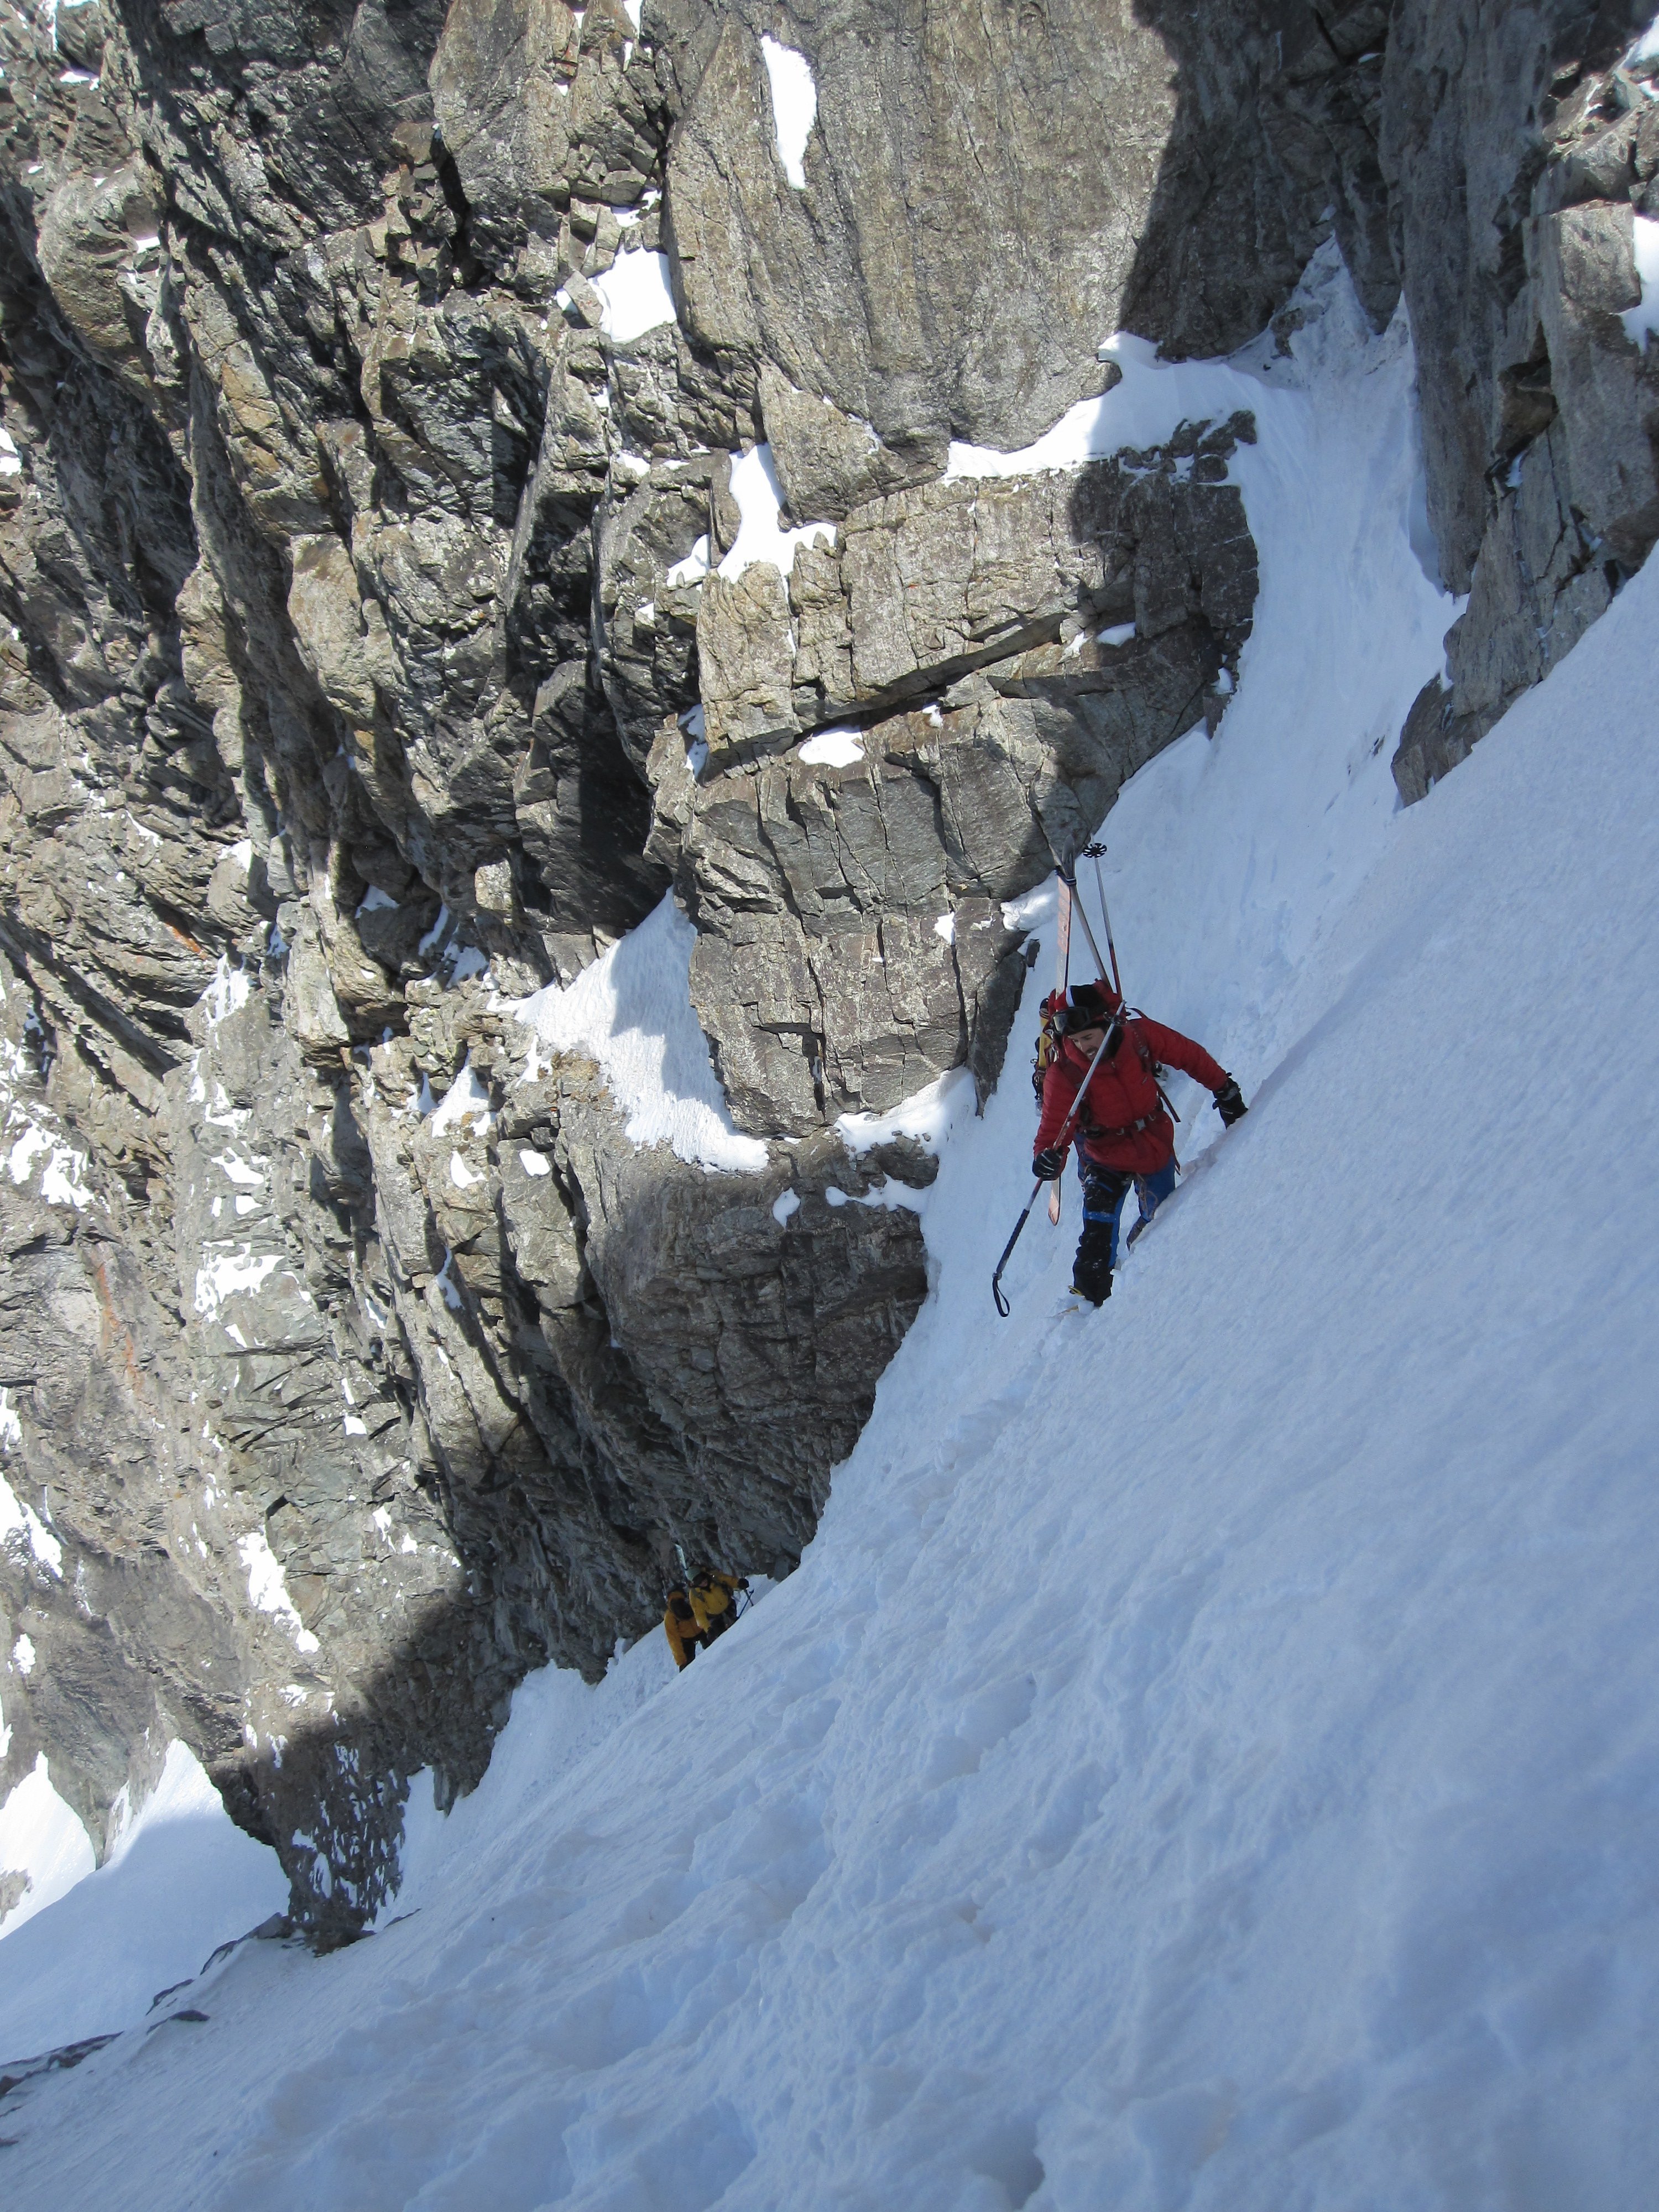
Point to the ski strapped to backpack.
(1124, 1018)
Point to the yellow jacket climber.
(714, 1600)
(680, 1622)
(694, 1617)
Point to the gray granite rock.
(1514, 151)
(948, 265)
(826, 462)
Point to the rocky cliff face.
(1520, 154)
(472, 475)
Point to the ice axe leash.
(1061, 1142)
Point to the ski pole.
(1095, 852)
(1061, 1141)
(1106, 976)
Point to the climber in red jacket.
(1124, 1133)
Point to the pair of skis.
(1063, 956)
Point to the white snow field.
(1209, 1756)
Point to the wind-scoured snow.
(632, 1012)
(637, 294)
(181, 1879)
(1208, 1757)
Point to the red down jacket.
(1123, 1093)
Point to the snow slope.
(41, 1839)
(1209, 1756)
(89, 1956)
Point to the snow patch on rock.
(1641, 320)
(760, 537)
(632, 1012)
(794, 105)
(637, 296)
(267, 1589)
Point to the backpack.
(1047, 1045)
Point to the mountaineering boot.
(1097, 1248)
(1092, 1272)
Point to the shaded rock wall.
(376, 656)
(1519, 153)
(317, 509)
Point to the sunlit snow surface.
(760, 537)
(794, 106)
(1641, 320)
(1208, 1757)
(637, 294)
(40, 1837)
(833, 749)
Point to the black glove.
(1049, 1166)
(1229, 1103)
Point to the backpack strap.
(1132, 1017)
